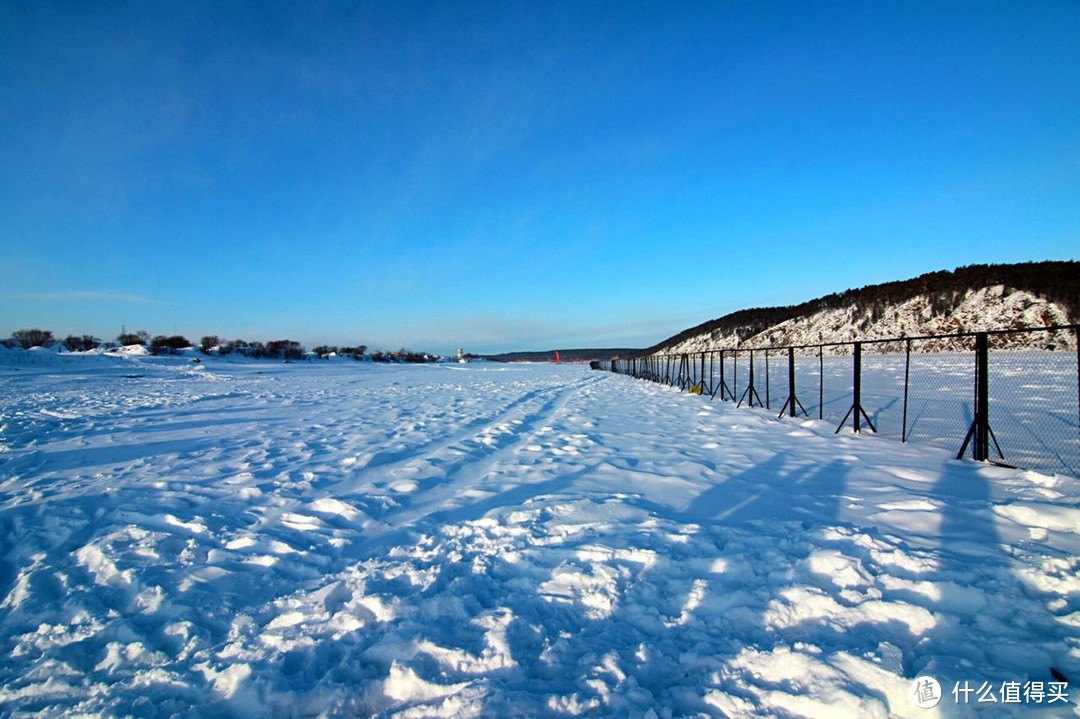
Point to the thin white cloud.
(87, 295)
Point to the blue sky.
(511, 176)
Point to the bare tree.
(32, 338)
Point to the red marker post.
(556, 355)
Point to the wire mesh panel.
(767, 361)
(712, 374)
(702, 362)
(724, 369)
(694, 371)
(736, 384)
(653, 370)
(1034, 400)
(749, 378)
(1011, 395)
(808, 377)
(882, 395)
(838, 379)
(941, 391)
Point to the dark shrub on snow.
(33, 338)
(285, 349)
(162, 345)
(81, 344)
(141, 337)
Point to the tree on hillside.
(32, 338)
(1054, 281)
(208, 343)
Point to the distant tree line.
(211, 344)
(324, 351)
(565, 355)
(278, 349)
(1055, 281)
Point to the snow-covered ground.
(348, 539)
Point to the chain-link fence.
(1010, 396)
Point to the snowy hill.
(1032, 295)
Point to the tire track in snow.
(390, 459)
(377, 499)
(461, 476)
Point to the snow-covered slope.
(990, 308)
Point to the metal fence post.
(821, 382)
(791, 381)
(750, 380)
(856, 399)
(722, 387)
(982, 397)
(907, 376)
(751, 391)
(857, 388)
(722, 383)
(792, 400)
(750, 387)
(735, 371)
(980, 429)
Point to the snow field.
(261, 539)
